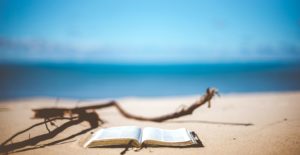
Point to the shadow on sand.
(32, 143)
(211, 122)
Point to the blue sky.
(149, 30)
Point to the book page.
(115, 133)
(130, 132)
(156, 134)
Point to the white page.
(122, 132)
(178, 135)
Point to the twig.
(59, 112)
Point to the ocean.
(95, 81)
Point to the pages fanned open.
(135, 136)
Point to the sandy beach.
(71, 68)
(253, 123)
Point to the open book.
(135, 136)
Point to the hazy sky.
(149, 30)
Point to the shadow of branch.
(211, 122)
(58, 141)
(91, 118)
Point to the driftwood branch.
(82, 111)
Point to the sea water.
(91, 81)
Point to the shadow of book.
(211, 122)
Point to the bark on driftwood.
(48, 113)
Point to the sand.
(254, 123)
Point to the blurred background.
(115, 48)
